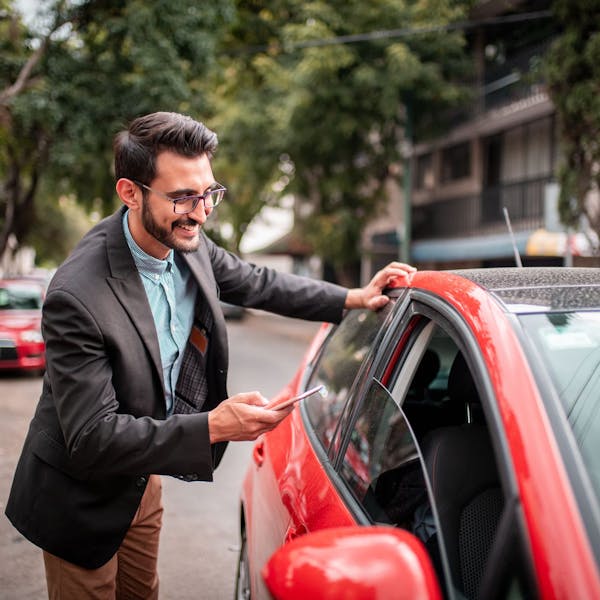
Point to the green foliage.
(573, 75)
(130, 58)
(330, 113)
(109, 62)
(56, 228)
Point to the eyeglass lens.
(188, 203)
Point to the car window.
(384, 470)
(425, 388)
(382, 463)
(20, 297)
(337, 367)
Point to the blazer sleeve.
(249, 285)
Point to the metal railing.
(483, 214)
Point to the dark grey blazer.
(100, 428)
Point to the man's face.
(161, 228)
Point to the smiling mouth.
(188, 225)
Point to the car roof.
(539, 289)
(21, 282)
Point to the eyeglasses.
(211, 198)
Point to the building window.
(424, 177)
(456, 162)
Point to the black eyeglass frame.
(215, 188)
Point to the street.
(199, 540)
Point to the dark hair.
(136, 148)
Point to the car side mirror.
(352, 562)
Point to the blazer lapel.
(129, 289)
(201, 268)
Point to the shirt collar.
(147, 265)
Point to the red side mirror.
(352, 562)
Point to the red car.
(455, 451)
(21, 343)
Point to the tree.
(573, 75)
(23, 143)
(310, 111)
(106, 62)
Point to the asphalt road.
(199, 540)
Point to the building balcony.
(483, 214)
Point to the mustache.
(185, 222)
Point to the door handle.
(258, 453)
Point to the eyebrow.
(190, 191)
(183, 192)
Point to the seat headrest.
(427, 370)
(461, 386)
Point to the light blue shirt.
(171, 292)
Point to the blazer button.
(141, 481)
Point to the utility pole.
(406, 241)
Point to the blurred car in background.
(455, 453)
(21, 343)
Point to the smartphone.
(283, 403)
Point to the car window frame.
(372, 365)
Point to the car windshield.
(569, 344)
(20, 297)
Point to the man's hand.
(371, 296)
(243, 417)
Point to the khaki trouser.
(130, 573)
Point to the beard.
(166, 236)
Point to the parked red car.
(455, 453)
(21, 343)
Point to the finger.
(254, 398)
(397, 269)
(398, 274)
(401, 266)
(387, 277)
(377, 302)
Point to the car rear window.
(20, 297)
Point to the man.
(136, 345)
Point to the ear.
(129, 193)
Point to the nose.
(199, 214)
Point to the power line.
(394, 33)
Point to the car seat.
(464, 479)
(425, 412)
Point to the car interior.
(444, 410)
(437, 473)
